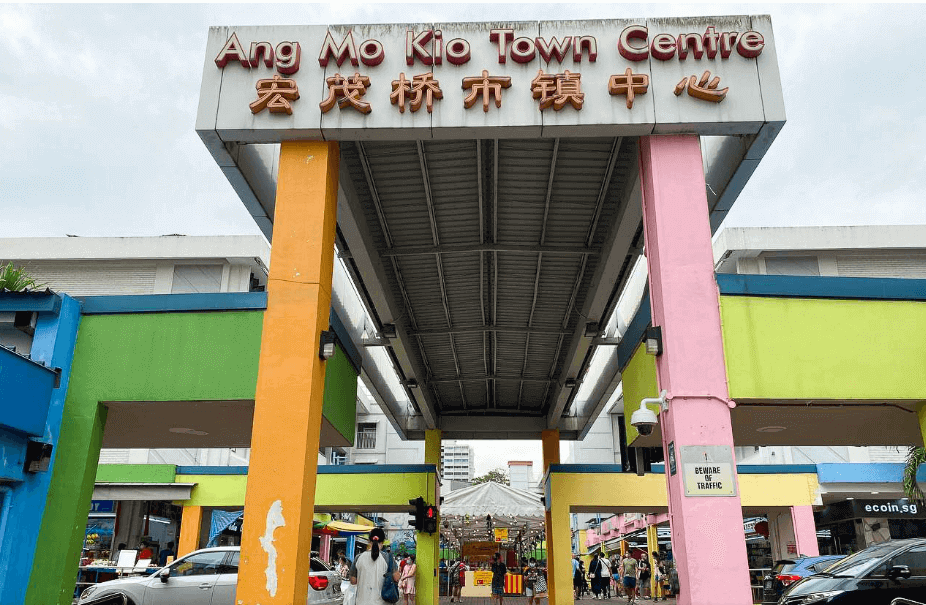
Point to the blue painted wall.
(24, 494)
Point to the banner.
(480, 550)
(501, 534)
(482, 578)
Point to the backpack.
(390, 591)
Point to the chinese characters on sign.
(629, 84)
(557, 90)
(552, 90)
(422, 88)
(346, 92)
(702, 89)
(486, 86)
(275, 94)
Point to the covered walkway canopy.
(472, 513)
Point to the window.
(792, 265)
(366, 436)
(915, 559)
(317, 565)
(203, 564)
(231, 566)
(338, 458)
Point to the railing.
(758, 590)
(365, 440)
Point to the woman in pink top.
(407, 583)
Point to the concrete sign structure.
(470, 157)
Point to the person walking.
(616, 576)
(456, 573)
(659, 573)
(594, 575)
(533, 582)
(407, 583)
(643, 573)
(370, 568)
(576, 578)
(629, 576)
(498, 578)
(605, 584)
(343, 573)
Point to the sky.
(99, 102)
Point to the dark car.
(788, 571)
(874, 576)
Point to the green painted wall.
(790, 348)
(159, 357)
(639, 381)
(136, 473)
(340, 406)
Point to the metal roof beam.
(481, 378)
(481, 329)
(554, 250)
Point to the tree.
(915, 458)
(496, 476)
(15, 280)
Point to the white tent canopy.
(471, 514)
(494, 499)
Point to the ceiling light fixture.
(770, 429)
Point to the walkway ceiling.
(493, 263)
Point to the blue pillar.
(22, 502)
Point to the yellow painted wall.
(332, 491)
(616, 491)
(792, 348)
(639, 382)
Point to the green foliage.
(497, 476)
(15, 279)
(915, 457)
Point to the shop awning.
(345, 528)
(142, 491)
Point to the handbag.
(390, 591)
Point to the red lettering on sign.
(438, 47)
(232, 52)
(690, 42)
(523, 50)
(750, 45)
(330, 50)
(261, 50)
(501, 37)
(458, 51)
(587, 43)
(727, 39)
(414, 48)
(663, 47)
(372, 53)
(288, 56)
(554, 48)
(710, 42)
(628, 51)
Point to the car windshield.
(318, 565)
(860, 563)
(783, 567)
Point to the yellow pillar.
(652, 546)
(550, 441)
(191, 525)
(279, 503)
(428, 546)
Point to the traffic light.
(430, 520)
(425, 519)
(418, 505)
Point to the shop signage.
(859, 509)
(673, 467)
(501, 534)
(421, 77)
(708, 470)
(482, 578)
(102, 506)
(479, 549)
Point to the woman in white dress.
(370, 568)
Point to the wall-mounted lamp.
(411, 383)
(326, 346)
(570, 383)
(652, 338)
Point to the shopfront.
(851, 525)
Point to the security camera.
(645, 419)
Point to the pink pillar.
(324, 548)
(805, 531)
(707, 532)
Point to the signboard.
(711, 76)
(859, 509)
(102, 506)
(501, 534)
(673, 467)
(482, 578)
(485, 550)
(708, 470)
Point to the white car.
(205, 577)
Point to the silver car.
(205, 577)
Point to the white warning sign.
(709, 479)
